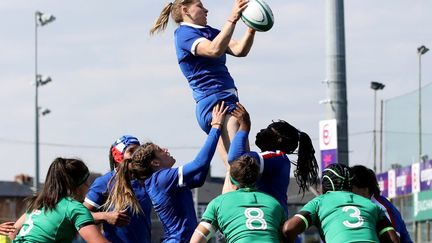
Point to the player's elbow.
(291, 228)
(200, 182)
(287, 233)
(242, 53)
(240, 50)
(237, 53)
(216, 52)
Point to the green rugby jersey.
(246, 215)
(58, 225)
(344, 217)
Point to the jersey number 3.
(354, 214)
(255, 219)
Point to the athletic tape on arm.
(209, 230)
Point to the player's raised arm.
(195, 172)
(222, 42)
(242, 116)
(242, 47)
(240, 144)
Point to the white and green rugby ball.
(258, 15)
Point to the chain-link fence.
(401, 128)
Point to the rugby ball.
(258, 15)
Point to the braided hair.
(280, 135)
(336, 177)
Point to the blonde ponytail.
(122, 197)
(162, 21)
(173, 9)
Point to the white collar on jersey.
(192, 25)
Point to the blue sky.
(112, 78)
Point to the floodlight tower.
(336, 75)
(41, 19)
(375, 86)
(420, 51)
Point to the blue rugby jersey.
(170, 192)
(394, 217)
(139, 228)
(205, 75)
(275, 168)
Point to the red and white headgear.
(119, 146)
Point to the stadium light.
(45, 112)
(44, 19)
(420, 51)
(375, 86)
(42, 80)
(41, 19)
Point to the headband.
(237, 184)
(120, 145)
(234, 182)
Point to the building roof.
(14, 189)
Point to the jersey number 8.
(255, 216)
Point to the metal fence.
(401, 128)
